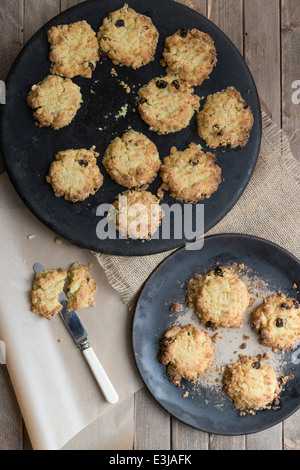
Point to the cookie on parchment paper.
(132, 160)
(191, 175)
(219, 298)
(128, 38)
(167, 104)
(277, 321)
(190, 54)
(225, 119)
(250, 383)
(75, 174)
(46, 288)
(187, 352)
(55, 101)
(74, 49)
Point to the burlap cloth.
(269, 208)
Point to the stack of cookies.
(166, 104)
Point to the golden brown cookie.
(167, 104)
(219, 298)
(75, 174)
(277, 321)
(55, 101)
(47, 286)
(137, 214)
(225, 120)
(74, 49)
(250, 384)
(82, 287)
(128, 38)
(132, 160)
(187, 352)
(191, 175)
(190, 54)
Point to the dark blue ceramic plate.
(28, 150)
(206, 407)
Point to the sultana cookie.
(191, 175)
(250, 384)
(128, 38)
(132, 160)
(55, 101)
(47, 286)
(187, 352)
(277, 321)
(219, 298)
(74, 49)
(225, 120)
(75, 174)
(82, 287)
(167, 104)
(190, 54)
(137, 214)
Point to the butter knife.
(80, 336)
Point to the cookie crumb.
(31, 237)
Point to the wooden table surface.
(267, 32)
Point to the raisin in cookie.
(75, 174)
(190, 175)
(55, 101)
(132, 160)
(137, 214)
(74, 49)
(128, 38)
(190, 54)
(225, 120)
(219, 298)
(277, 321)
(47, 286)
(187, 352)
(167, 104)
(250, 384)
(82, 287)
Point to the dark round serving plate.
(28, 150)
(207, 408)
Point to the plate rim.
(233, 235)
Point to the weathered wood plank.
(228, 15)
(11, 423)
(65, 4)
(37, 13)
(270, 439)
(152, 424)
(11, 25)
(262, 50)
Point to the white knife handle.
(100, 375)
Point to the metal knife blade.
(80, 336)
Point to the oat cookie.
(191, 175)
(219, 298)
(137, 214)
(132, 160)
(225, 120)
(277, 321)
(190, 54)
(74, 49)
(187, 352)
(46, 288)
(75, 174)
(128, 38)
(167, 104)
(82, 287)
(250, 384)
(55, 101)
